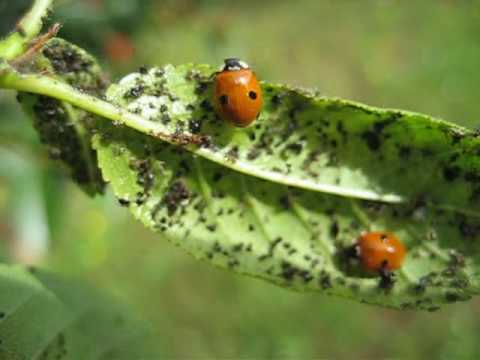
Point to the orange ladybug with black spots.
(238, 96)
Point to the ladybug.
(380, 252)
(238, 97)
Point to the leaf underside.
(286, 198)
(65, 129)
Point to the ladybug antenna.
(235, 64)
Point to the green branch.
(44, 85)
(27, 29)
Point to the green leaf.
(285, 199)
(64, 128)
(45, 317)
(317, 143)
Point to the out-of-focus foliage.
(11, 12)
(45, 317)
(421, 56)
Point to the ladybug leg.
(387, 278)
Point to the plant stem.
(27, 29)
(44, 85)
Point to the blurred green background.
(421, 56)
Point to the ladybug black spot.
(223, 100)
(252, 95)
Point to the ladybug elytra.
(238, 97)
(380, 251)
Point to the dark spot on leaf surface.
(159, 73)
(205, 105)
(165, 119)
(135, 91)
(380, 125)
(253, 154)
(141, 197)
(334, 229)
(404, 152)
(194, 126)
(217, 176)
(468, 230)
(177, 193)
(237, 247)
(296, 148)
(232, 154)
(145, 176)
(452, 297)
(201, 88)
(325, 282)
(288, 271)
(285, 202)
(123, 202)
(451, 173)
(456, 258)
(65, 58)
(372, 139)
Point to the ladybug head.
(233, 64)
